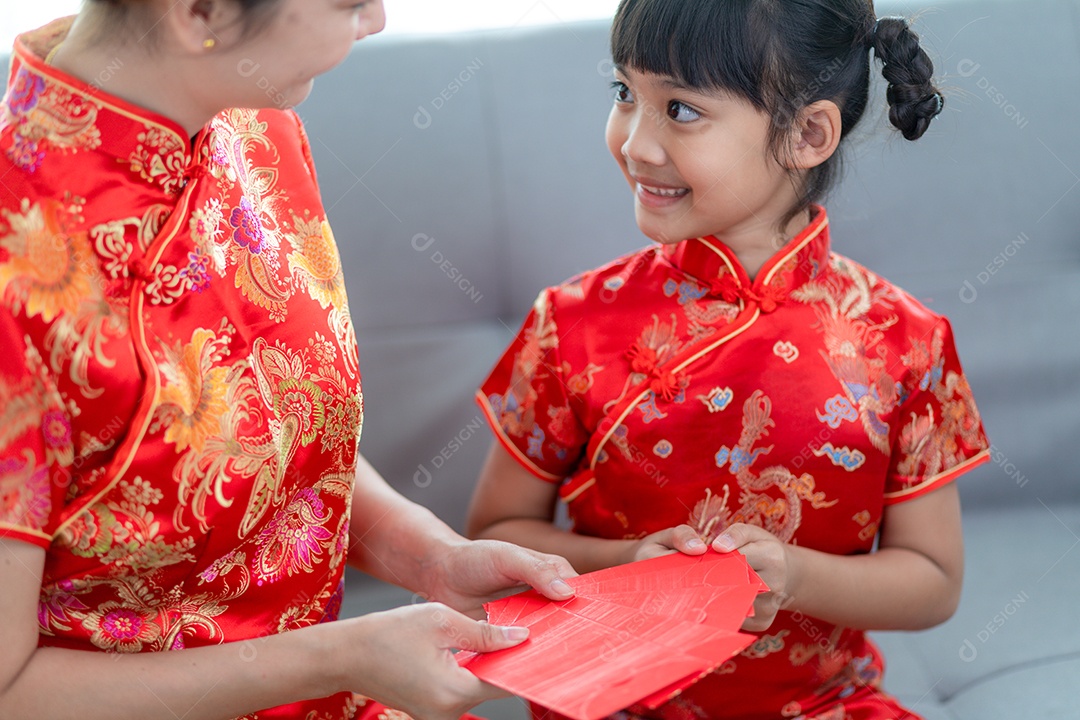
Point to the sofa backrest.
(464, 173)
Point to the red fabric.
(667, 388)
(371, 710)
(179, 395)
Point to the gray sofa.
(463, 174)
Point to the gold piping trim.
(24, 530)
(504, 440)
(680, 366)
(33, 61)
(968, 464)
(573, 496)
(140, 300)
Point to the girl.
(179, 396)
(738, 383)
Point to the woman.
(180, 398)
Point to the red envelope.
(637, 633)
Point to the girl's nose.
(643, 144)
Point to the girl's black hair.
(782, 55)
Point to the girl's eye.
(622, 93)
(681, 112)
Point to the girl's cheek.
(615, 134)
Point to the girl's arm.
(406, 544)
(511, 504)
(912, 582)
(401, 658)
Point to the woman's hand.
(683, 538)
(470, 573)
(403, 658)
(771, 560)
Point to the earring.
(209, 43)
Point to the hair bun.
(913, 99)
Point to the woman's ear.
(199, 26)
(815, 135)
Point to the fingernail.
(515, 634)
(724, 543)
(561, 587)
(695, 544)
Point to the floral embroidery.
(24, 492)
(134, 506)
(193, 399)
(315, 263)
(47, 270)
(44, 116)
(303, 399)
(294, 539)
(59, 608)
(248, 231)
(56, 429)
(196, 274)
(122, 629)
(26, 154)
(25, 91)
(160, 158)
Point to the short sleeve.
(526, 401)
(938, 434)
(35, 442)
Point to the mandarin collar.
(714, 264)
(44, 103)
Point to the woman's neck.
(140, 77)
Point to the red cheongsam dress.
(179, 393)
(669, 388)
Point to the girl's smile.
(657, 195)
(698, 163)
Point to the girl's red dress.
(668, 388)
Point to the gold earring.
(209, 43)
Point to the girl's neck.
(755, 243)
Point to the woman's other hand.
(404, 659)
(470, 573)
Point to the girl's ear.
(815, 135)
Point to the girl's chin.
(659, 232)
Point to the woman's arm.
(511, 504)
(401, 658)
(404, 543)
(912, 582)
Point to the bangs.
(706, 45)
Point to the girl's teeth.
(665, 192)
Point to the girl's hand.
(403, 658)
(771, 560)
(683, 538)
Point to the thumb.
(465, 633)
(732, 538)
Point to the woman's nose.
(374, 20)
